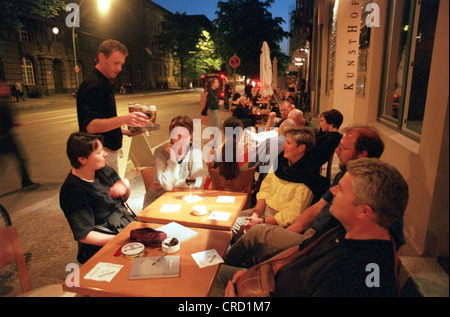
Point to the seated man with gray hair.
(264, 241)
(353, 254)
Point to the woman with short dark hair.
(175, 160)
(93, 195)
(329, 136)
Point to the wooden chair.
(232, 109)
(244, 180)
(148, 175)
(10, 251)
(5, 216)
(329, 167)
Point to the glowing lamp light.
(55, 30)
(103, 5)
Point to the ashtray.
(133, 249)
(199, 210)
(170, 246)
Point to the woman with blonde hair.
(290, 187)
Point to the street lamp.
(103, 7)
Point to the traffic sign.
(235, 61)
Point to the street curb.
(57, 99)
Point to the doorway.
(57, 67)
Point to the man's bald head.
(298, 117)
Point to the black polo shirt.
(95, 100)
(339, 267)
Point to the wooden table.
(186, 217)
(192, 282)
(260, 116)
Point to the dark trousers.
(9, 146)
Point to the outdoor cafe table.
(186, 217)
(193, 281)
(260, 116)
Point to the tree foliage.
(205, 58)
(242, 27)
(179, 36)
(13, 11)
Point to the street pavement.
(45, 235)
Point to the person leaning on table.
(262, 242)
(290, 186)
(93, 195)
(175, 160)
(357, 258)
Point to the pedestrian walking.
(8, 143)
(213, 103)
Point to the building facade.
(41, 56)
(385, 64)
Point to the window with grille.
(27, 71)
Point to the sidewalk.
(57, 99)
(49, 246)
(45, 235)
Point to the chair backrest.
(10, 251)
(243, 180)
(148, 175)
(329, 166)
(5, 216)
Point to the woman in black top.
(213, 103)
(243, 110)
(93, 195)
(329, 137)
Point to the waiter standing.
(96, 104)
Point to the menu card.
(225, 199)
(103, 272)
(178, 231)
(192, 199)
(219, 215)
(207, 258)
(170, 208)
(143, 267)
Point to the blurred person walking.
(8, 143)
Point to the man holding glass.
(96, 104)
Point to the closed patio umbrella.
(265, 71)
(275, 73)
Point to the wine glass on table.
(190, 181)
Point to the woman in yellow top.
(291, 185)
